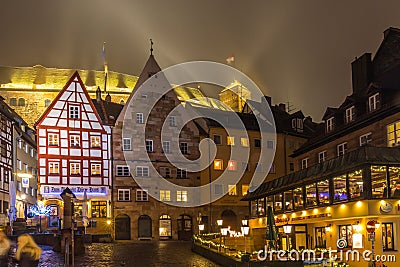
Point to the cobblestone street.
(138, 254)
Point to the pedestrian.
(28, 252)
(4, 249)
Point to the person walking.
(28, 252)
(4, 249)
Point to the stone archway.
(185, 227)
(230, 219)
(144, 227)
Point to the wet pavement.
(132, 254)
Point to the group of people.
(26, 255)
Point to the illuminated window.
(387, 236)
(142, 195)
(139, 118)
(75, 140)
(311, 195)
(393, 134)
(181, 196)
(218, 164)
(74, 112)
(217, 139)
(165, 195)
(99, 209)
(54, 168)
(298, 198)
(244, 141)
(142, 171)
(355, 182)
(123, 170)
(340, 188)
(124, 194)
(323, 192)
(346, 233)
(74, 168)
(53, 139)
(230, 140)
(232, 190)
(126, 144)
(232, 165)
(95, 141)
(181, 174)
(96, 169)
(245, 188)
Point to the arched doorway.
(122, 227)
(185, 227)
(144, 227)
(230, 219)
(165, 227)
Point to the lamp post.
(287, 229)
(23, 198)
(245, 231)
(224, 233)
(219, 223)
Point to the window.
(3, 147)
(217, 139)
(322, 156)
(365, 139)
(181, 196)
(172, 121)
(19, 186)
(320, 237)
(244, 141)
(124, 194)
(278, 202)
(298, 198)
(355, 182)
(165, 172)
(232, 190)
(329, 125)
(288, 198)
(95, 141)
(339, 188)
(387, 236)
(232, 165)
(373, 102)
(323, 192)
(32, 152)
(291, 166)
(245, 188)
(21, 102)
(166, 147)
(99, 209)
(218, 164)
(139, 118)
(184, 148)
(47, 102)
(142, 171)
(75, 140)
(341, 149)
(13, 101)
(297, 124)
(304, 163)
(96, 169)
(74, 168)
(393, 134)
(53, 140)
(142, 195)
(218, 189)
(257, 143)
(149, 145)
(25, 167)
(165, 195)
(54, 168)
(346, 233)
(270, 144)
(123, 170)
(350, 114)
(74, 112)
(230, 140)
(311, 195)
(126, 144)
(19, 164)
(181, 174)
(259, 167)
(26, 148)
(379, 181)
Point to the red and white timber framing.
(74, 146)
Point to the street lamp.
(23, 198)
(224, 233)
(287, 229)
(219, 223)
(245, 230)
(201, 228)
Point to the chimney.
(282, 106)
(266, 98)
(361, 73)
(98, 94)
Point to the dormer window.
(297, 124)
(373, 102)
(350, 114)
(329, 125)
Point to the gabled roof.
(349, 101)
(388, 53)
(56, 115)
(329, 113)
(108, 111)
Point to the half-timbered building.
(74, 147)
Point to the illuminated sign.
(282, 221)
(77, 190)
(25, 182)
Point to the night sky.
(296, 51)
